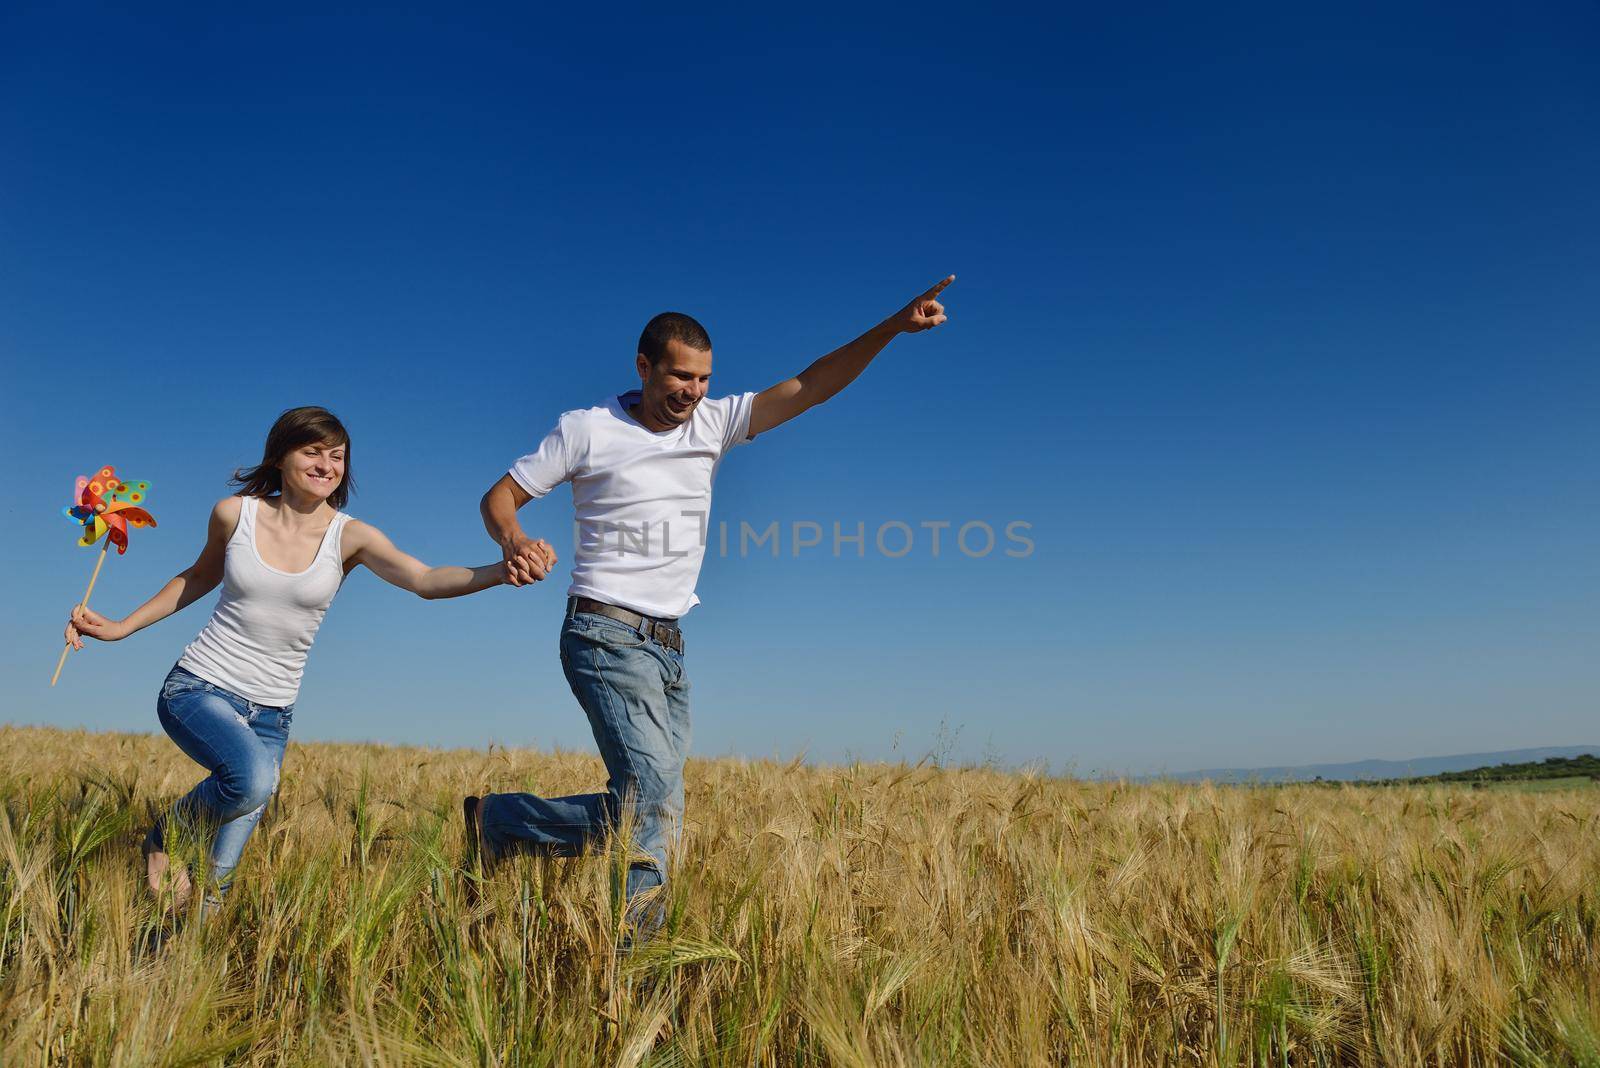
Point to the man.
(641, 467)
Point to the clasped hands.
(527, 560)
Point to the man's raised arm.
(527, 559)
(780, 403)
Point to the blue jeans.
(241, 744)
(636, 696)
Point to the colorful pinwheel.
(106, 503)
(106, 507)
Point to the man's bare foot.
(479, 855)
(157, 866)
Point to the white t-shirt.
(643, 499)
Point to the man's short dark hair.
(672, 326)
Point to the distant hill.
(1581, 767)
(1361, 770)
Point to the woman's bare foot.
(157, 866)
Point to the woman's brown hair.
(295, 428)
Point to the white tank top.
(258, 637)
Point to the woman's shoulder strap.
(247, 516)
(334, 542)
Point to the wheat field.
(852, 915)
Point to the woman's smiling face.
(313, 470)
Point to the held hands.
(85, 620)
(527, 560)
(923, 313)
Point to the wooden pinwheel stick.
(104, 545)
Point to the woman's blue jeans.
(241, 744)
(636, 696)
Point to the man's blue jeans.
(636, 696)
(241, 744)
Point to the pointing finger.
(938, 287)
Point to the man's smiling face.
(673, 386)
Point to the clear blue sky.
(1279, 328)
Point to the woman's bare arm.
(182, 590)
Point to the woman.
(281, 548)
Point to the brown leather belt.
(664, 631)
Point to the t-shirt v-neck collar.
(621, 402)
